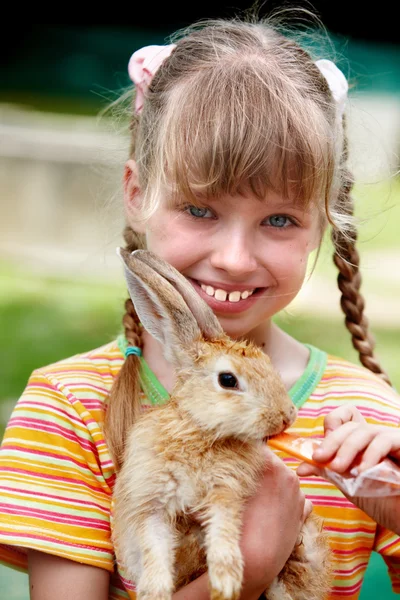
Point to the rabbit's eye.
(227, 380)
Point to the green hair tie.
(133, 350)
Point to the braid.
(130, 320)
(124, 400)
(133, 240)
(133, 332)
(347, 260)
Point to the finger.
(307, 470)
(385, 443)
(353, 445)
(275, 472)
(308, 507)
(331, 444)
(341, 415)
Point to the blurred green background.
(61, 289)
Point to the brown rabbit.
(201, 453)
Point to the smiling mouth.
(222, 295)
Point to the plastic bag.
(379, 481)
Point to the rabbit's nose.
(290, 416)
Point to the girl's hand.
(276, 513)
(349, 437)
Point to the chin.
(235, 330)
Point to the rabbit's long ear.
(206, 320)
(160, 307)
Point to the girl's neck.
(288, 356)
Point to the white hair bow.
(337, 83)
(142, 67)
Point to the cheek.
(173, 243)
(289, 259)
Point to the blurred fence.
(57, 181)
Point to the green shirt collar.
(299, 392)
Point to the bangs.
(230, 129)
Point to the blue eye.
(279, 221)
(199, 212)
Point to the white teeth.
(234, 297)
(209, 290)
(220, 295)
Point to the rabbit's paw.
(224, 595)
(155, 583)
(226, 579)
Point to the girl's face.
(245, 257)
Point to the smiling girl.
(238, 166)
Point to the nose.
(234, 253)
(289, 416)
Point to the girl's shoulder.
(86, 377)
(104, 362)
(343, 373)
(340, 380)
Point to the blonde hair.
(238, 105)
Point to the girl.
(238, 164)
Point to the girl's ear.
(132, 196)
(161, 309)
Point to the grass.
(46, 319)
(377, 206)
(377, 212)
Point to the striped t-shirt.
(57, 477)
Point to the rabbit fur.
(201, 453)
